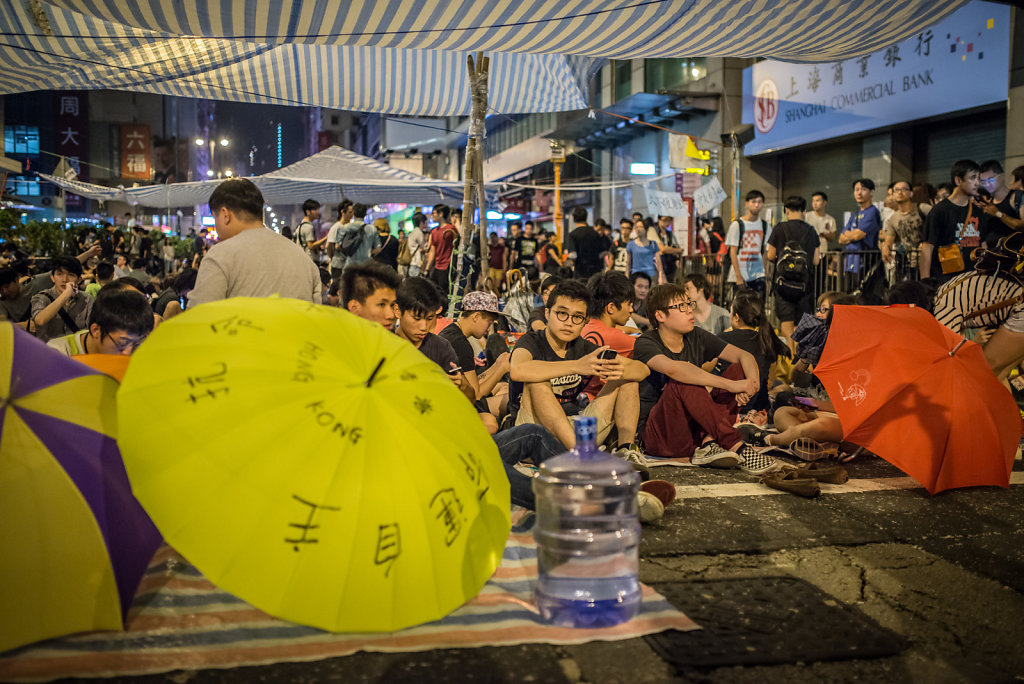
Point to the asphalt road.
(944, 574)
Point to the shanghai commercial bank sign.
(961, 62)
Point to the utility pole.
(558, 158)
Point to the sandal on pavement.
(794, 482)
(809, 450)
(831, 474)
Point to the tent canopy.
(327, 176)
(409, 56)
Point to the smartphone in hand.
(607, 355)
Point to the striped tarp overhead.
(54, 48)
(408, 56)
(799, 30)
(327, 176)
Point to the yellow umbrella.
(317, 466)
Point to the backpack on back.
(404, 253)
(792, 272)
(299, 238)
(351, 240)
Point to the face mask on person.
(616, 235)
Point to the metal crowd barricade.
(837, 271)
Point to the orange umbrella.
(920, 396)
(114, 365)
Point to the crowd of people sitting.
(619, 331)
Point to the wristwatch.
(999, 214)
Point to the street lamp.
(224, 142)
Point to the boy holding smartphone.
(62, 309)
(550, 369)
(611, 306)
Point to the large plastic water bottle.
(587, 535)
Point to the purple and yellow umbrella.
(74, 542)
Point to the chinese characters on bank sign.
(958, 63)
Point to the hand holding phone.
(607, 354)
(454, 373)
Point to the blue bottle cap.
(586, 429)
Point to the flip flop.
(831, 474)
(794, 482)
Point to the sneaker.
(631, 453)
(649, 507)
(664, 490)
(711, 455)
(754, 435)
(757, 463)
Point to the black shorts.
(789, 311)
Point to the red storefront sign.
(135, 152)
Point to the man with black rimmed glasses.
(679, 418)
(550, 369)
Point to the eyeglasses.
(685, 305)
(899, 189)
(823, 309)
(562, 315)
(989, 181)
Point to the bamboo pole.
(473, 194)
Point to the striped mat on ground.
(182, 621)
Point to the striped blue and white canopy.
(409, 56)
(327, 176)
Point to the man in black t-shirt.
(419, 303)
(550, 369)
(479, 312)
(1002, 208)
(953, 221)
(679, 418)
(524, 252)
(585, 246)
(788, 307)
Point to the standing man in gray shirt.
(251, 260)
(369, 235)
(336, 256)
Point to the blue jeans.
(525, 442)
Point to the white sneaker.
(711, 455)
(649, 507)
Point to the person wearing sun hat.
(479, 312)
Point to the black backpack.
(792, 272)
(352, 239)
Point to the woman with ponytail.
(752, 333)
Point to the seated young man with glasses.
(120, 320)
(679, 418)
(550, 369)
